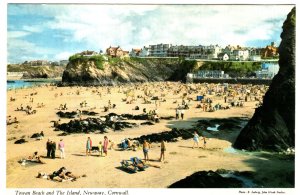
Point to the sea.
(18, 84)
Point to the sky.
(56, 31)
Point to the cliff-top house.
(270, 51)
(135, 52)
(116, 52)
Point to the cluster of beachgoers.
(116, 118)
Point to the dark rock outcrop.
(207, 179)
(168, 136)
(272, 126)
(20, 141)
(92, 125)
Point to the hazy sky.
(54, 32)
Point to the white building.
(223, 56)
(268, 70)
(144, 52)
(212, 51)
(159, 50)
(240, 54)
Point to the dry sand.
(181, 159)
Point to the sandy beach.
(105, 172)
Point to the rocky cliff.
(272, 126)
(117, 70)
(32, 72)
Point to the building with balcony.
(159, 50)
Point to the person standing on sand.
(53, 149)
(146, 147)
(196, 139)
(48, 147)
(61, 147)
(182, 114)
(88, 146)
(105, 145)
(204, 142)
(162, 150)
(100, 148)
(177, 113)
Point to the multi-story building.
(240, 54)
(212, 51)
(159, 50)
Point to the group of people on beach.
(196, 139)
(102, 147)
(147, 146)
(51, 148)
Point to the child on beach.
(100, 148)
(112, 144)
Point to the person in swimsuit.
(162, 150)
(146, 148)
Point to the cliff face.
(32, 72)
(43, 72)
(272, 126)
(124, 71)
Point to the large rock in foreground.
(273, 125)
(207, 179)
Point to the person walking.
(48, 147)
(61, 147)
(88, 146)
(105, 145)
(196, 139)
(53, 149)
(162, 150)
